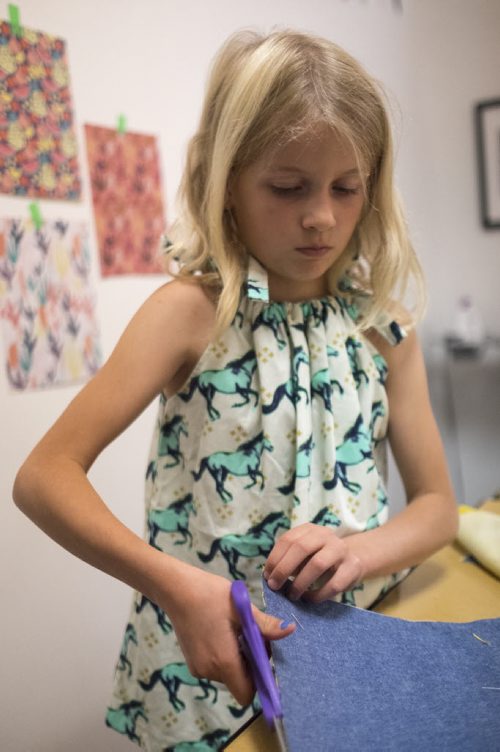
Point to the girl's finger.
(291, 562)
(296, 557)
(323, 564)
(325, 593)
(344, 578)
(273, 627)
(237, 678)
(282, 545)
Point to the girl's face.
(296, 211)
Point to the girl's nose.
(319, 215)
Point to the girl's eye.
(344, 190)
(286, 190)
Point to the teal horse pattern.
(382, 501)
(130, 636)
(124, 718)
(234, 378)
(302, 467)
(174, 676)
(327, 518)
(284, 420)
(170, 441)
(291, 389)
(353, 345)
(355, 449)
(315, 314)
(273, 317)
(172, 519)
(378, 412)
(257, 542)
(244, 462)
(322, 386)
(161, 619)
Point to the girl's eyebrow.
(292, 169)
(352, 171)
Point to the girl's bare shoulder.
(181, 312)
(188, 319)
(168, 333)
(190, 298)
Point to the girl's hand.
(207, 628)
(312, 554)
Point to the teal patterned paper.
(47, 304)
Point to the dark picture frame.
(487, 126)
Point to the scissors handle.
(256, 653)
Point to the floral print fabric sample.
(47, 304)
(128, 201)
(38, 149)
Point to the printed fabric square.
(352, 679)
(38, 148)
(47, 305)
(128, 201)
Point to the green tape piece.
(122, 124)
(36, 215)
(14, 20)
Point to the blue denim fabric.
(357, 680)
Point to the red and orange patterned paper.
(47, 304)
(38, 148)
(128, 201)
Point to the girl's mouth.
(314, 251)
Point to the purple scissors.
(254, 649)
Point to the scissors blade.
(280, 734)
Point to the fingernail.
(265, 575)
(272, 583)
(285, 624)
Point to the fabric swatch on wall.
(38, 148)
(352, 679)
(47, 304)
(128, 200)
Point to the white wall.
(455, 54)
(62, 621)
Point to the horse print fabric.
(282, 421)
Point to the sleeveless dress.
(283, 421)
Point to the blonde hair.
(264, 91)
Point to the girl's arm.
(52, 488)
(430, 519)
(428, 522)
(157, 352)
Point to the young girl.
(274, 356)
